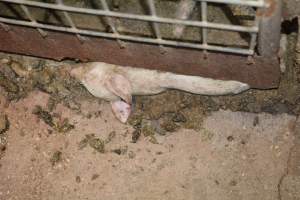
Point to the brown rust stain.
(267, 12)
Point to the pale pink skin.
(117, 84)
(184, 10)
(109, 85)
(121, 110)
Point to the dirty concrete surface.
(234, 155)
(59, 142)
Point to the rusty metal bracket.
(261, 73)
(270, 24)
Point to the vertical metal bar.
(155, 25)
(153, 14)
(253, 40)
(111, 23)
(70, 21)
(297, 59)
(298, 45)
(269, 28)
(204, 20)
(29, 16)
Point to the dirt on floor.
(234, 155)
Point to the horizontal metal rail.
(128, 37)
(252, 3)
(108, 13)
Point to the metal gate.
(262, 30)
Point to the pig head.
(108, 84)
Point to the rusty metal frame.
(152, 18)
(61, 42)
(261, 73)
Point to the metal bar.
(253, 40)
(152, 9)
(130, 38)
(204, 19)
(69, 19)
(110, 22)
(29, 16)
(258, 3)
(153, 14)
(67, 16)
(136, 17)
(269, 28)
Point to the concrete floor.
(234, 155)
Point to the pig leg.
(185, 8)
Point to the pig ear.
(121, 110)
(120, 86)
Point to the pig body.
(116, 83)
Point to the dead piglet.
(117, 84)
